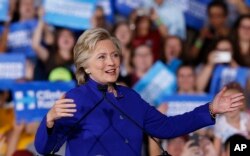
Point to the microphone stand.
(164, 153)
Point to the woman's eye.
(116, 55)
(101, 57)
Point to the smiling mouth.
(111, 71)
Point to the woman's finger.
(61, 101)
(236, 95)
(236, 104)
(68, 110)
(222, 91)
(65, 115)
(66, 106)
(236, 99)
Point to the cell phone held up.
(222, 57)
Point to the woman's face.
(65, 43)
(123, 33)
(26, 9)
(172, 48)
(186, 79)
(176, 146)
(144, 25)
(224, 45)
(244, 29)
(217, 16)
(143, 58)
(103, 64)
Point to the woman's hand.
(62, 108)
(226, 103)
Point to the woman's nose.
(110, 61)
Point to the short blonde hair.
(85, 45)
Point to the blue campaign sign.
(108, 9)
(12, 66)
(74, 14)
(33, 100)
(223, 75)
(195, 13)
(125, 7)
(20, 38)
(4, 7)
(179, 104)
(156, 83)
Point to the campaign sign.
(33, 100)
(156, 83)
(20, 38)
(195, 14)
(223, 75)
(74, 14)
(12, 66)
(125, 7)
(179, 104)
(4, 6)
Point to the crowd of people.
(155, 32)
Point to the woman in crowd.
(141, 60)
(241, 38)
(146, 33)
(123, 33)
(205, 71)
(59, 55)
(172, 52)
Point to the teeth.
(110, 71)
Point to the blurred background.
(177, 54)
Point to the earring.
(87, 72)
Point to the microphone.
(164, 153)
(103, 89)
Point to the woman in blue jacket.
(101, 118)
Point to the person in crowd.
(185, 86)
(216, 27)
(98, 19)
(123, 33)
(146, 33)
(165, 10)
(202, 147)
(172, 51)
(241, 40)
(51, 58)
(113, 128)
(20, 11)
(18, 136)
(205, 70)
(230, 123)
(141, 60)
(186, 79)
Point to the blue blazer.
(106, 131)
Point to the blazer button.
(121, 117)
(126, 141)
